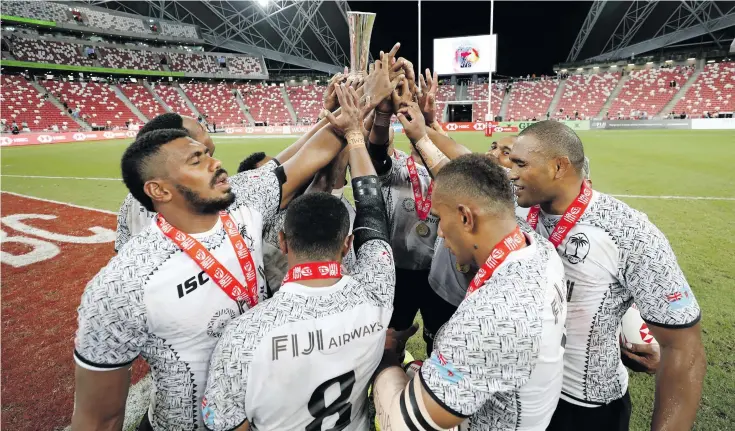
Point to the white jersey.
(499, 359)
(153, 300)
(133, 218)
(613, 256)
(304, 359)
(411, 250)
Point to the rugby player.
(497, 362)
(303, 359)
(613, 255)
(500, 150)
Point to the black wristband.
(380, 158)
(370, 218)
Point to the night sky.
(532, 36)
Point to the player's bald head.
(553, 139)
(473, 179)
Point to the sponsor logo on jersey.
(680, 299)
(219, 322)
(577, 248)
(445, 368)
(314, 340)
(191, 284)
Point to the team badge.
(445, 368)
(577, 248)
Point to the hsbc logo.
(498, 129)
(451, 126)
(130, 134)
(108, 135)
(79, 136)
(479, 126)
(45, 139)
(249, 130)
(4, 141)
(229, 130)
(269, 129)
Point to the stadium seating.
(47, 51)
(173, 99)
(179, 30)
(20, 102)
(529, 99)
(307, 100)
(110, 21)
(445, 93)
(43, 10)
(142, 99)
(713, 91)
(586, 94)
(97, 101)
(195, 63)
(216, 101)
(648, 91)
(479, 92)
(244, 65)
(128, 59)
(265, 103)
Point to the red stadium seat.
(173, 99)
(217, 102)
(713, 91)
(142, 99)
(648, 91)
(97, 101)
(21, 102)
(266, 103)
(529, 99)
(586, 94)
(307, 100)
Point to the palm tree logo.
(577, 248)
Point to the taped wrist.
(429, 152)
(382, 119)
(380, 158)
(399, 404)
(370, 219)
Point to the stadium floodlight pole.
(419, 63)
(490, 74)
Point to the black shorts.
(614, 416)
(413, 293)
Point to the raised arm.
(99, 399)
(413, 124)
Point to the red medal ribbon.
(569, 219)
(313, 271)
(214, 269)
(423, 205)
(512, 242)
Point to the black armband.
(371, 221)
(280, 173)
(382, 162)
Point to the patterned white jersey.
(499, 360)
(303, 359)
(613, 256)
(153, 300)
(411, 250)
(133, 218)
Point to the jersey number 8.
(321, 411)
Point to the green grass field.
(652, 164)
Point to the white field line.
(59, 203)
(686, 198)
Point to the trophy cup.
(360, 27)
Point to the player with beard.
(322, 335)
(613, 255)
(170, 291)
(497, 362)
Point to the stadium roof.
(622, 29)
(291, 35)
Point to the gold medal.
(464, 269)
(422, 229)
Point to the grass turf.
(651, 163)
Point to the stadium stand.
(173, 99)
(216, 101)
(445, 93)
(43, 10)
(244, 65)
(713, 91)
(648, 91)
(265, 103)
(19, 102)
(47, 51)
(530, 99)
(142, 99)
(110, 21)
(97, 102)
(196, 63)
(178, 30)
(306, 100)
(586, 94)
(479, 92)
(119, 58)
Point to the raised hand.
(330, 96)
(402, 95)
(380, 82)
(407, 67)
(351, 116)
(413, 121)
(427, 96)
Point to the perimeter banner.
(9, 140)
(640, 124)
(520, 125)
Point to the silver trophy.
(361, 27)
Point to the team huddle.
(267, 300)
